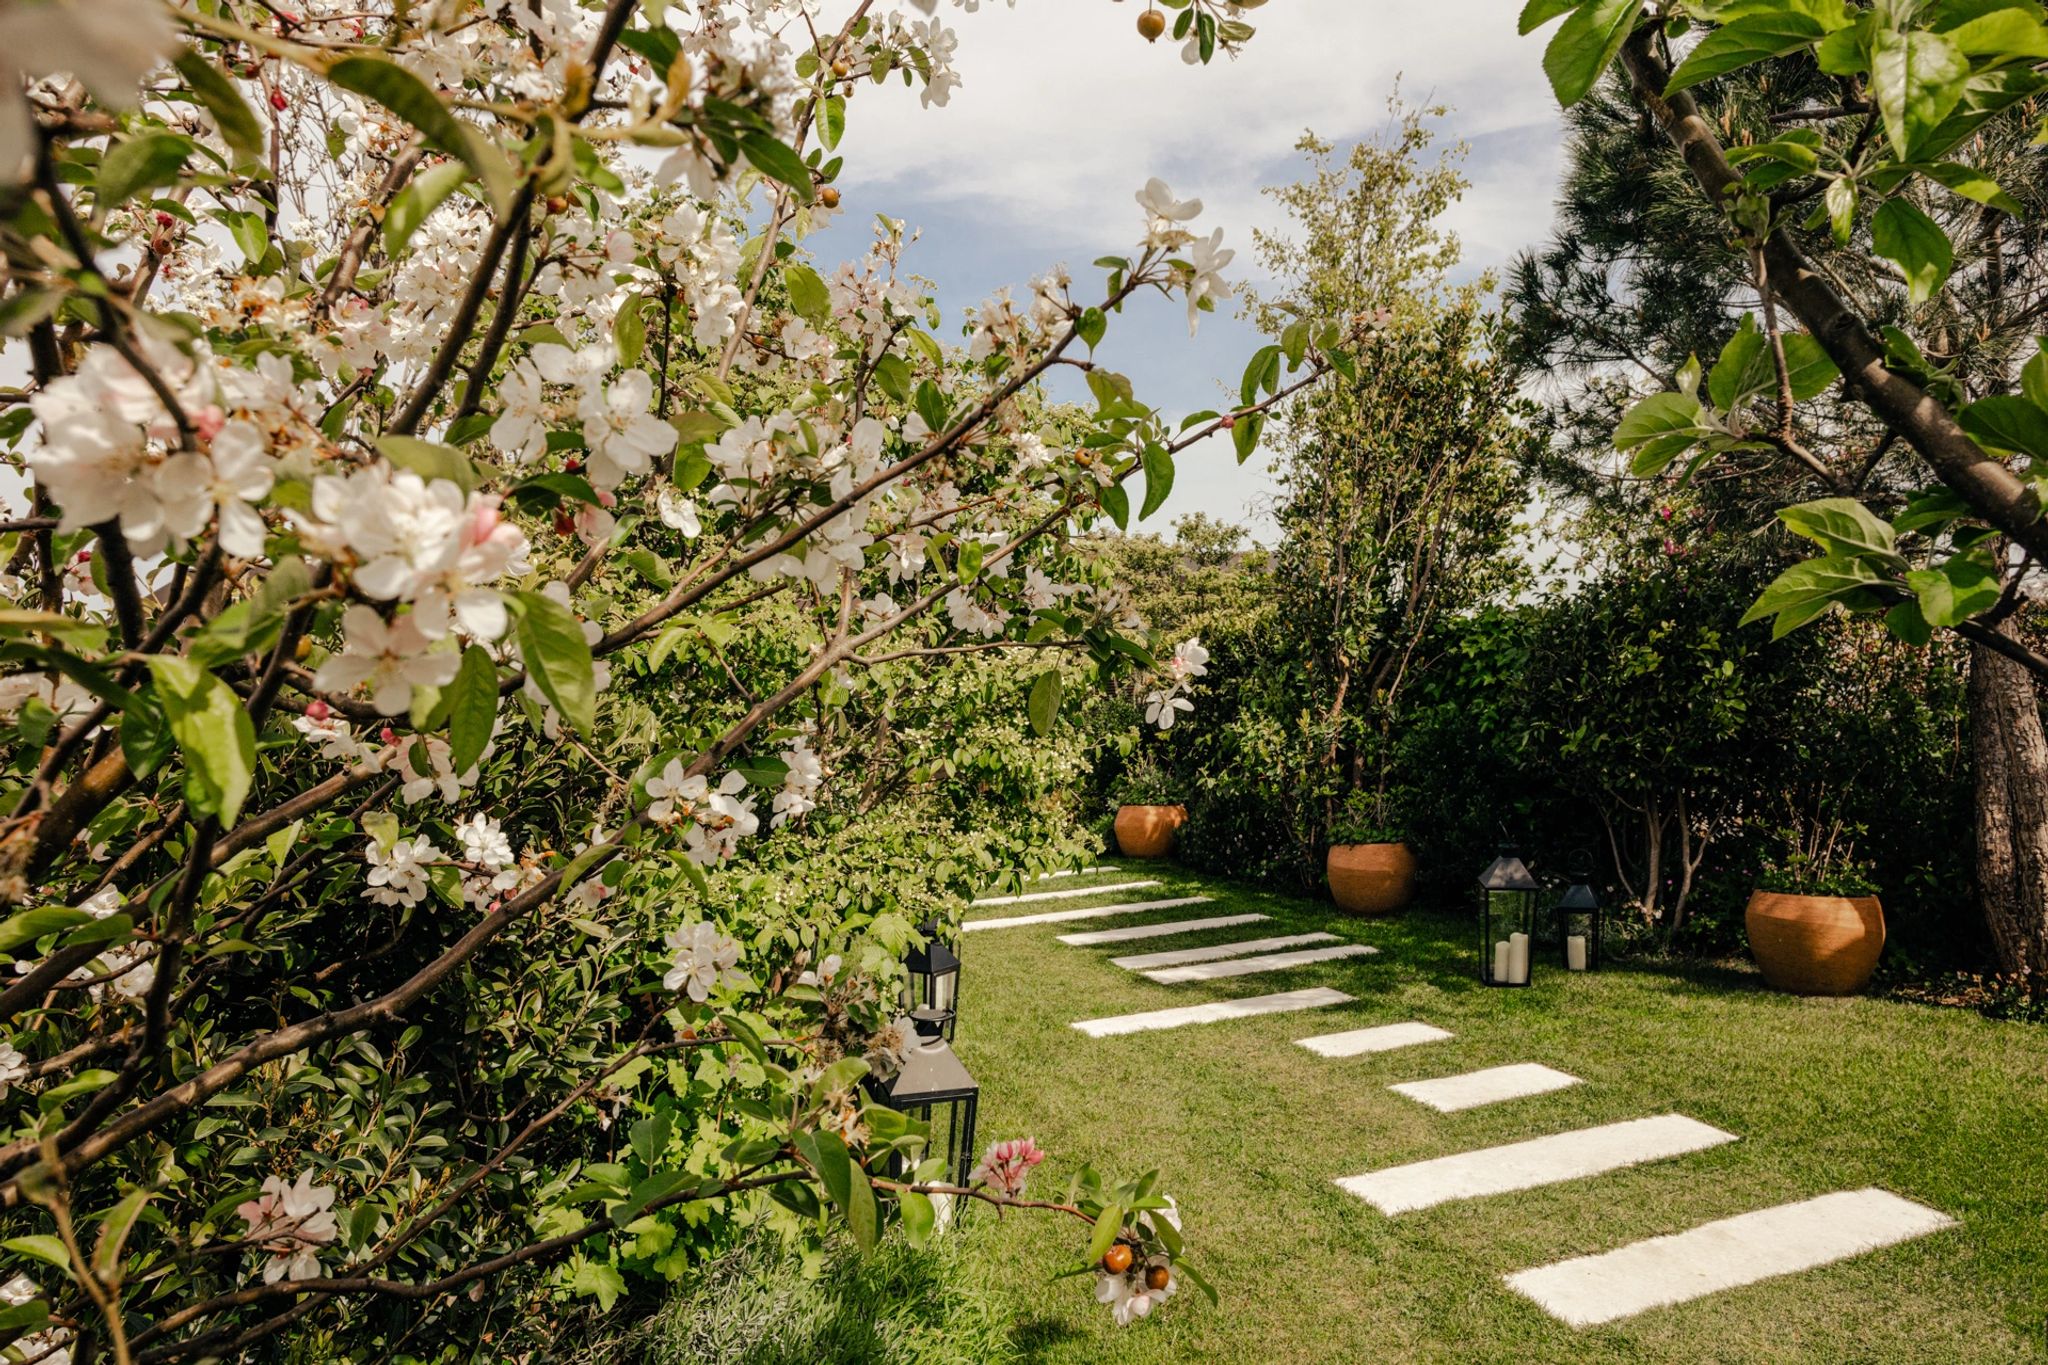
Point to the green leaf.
(2008, 33)
(557, 657)
(114, 1229)
(409, 97)
(430, 460)
(1955, 590)
(1657, 429)
(1918, 79)
(919, 1218)
(251, 235)
(1744, 42)
(237, 122)
(807, 293)
(1841, 526)
(1244, 434)
(1586, 44)
(1117, 503)
(2007, 423)
(832, 121)
(30, 925)
(600, 1279)
(42, 1247)
(1807, 589)
(1158, 462)
(472, 708)
(145, 735)
(1903, 234)
(142, 162)
(1906, 622)
(417, 202)
(214, 733)
(1107, 1225)
(1973, 184)
(1537, 13)
(776, 159)
(1090, 326)
(629, 331)
(1807, 365)
(1044, 707)
(1744, 369)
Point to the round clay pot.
(1371, 879)
(1147, 831)
(1815, 945)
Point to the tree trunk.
(2011, 756)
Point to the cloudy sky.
(1066, 111)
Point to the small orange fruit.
(1117, 1259)
(1151, 23)
(841, 68)
(829, 197)
(1157, 1278)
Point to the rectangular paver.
(1381, 1038)
(1094, 937)
(1074, 893)
(1588, 1290)
(1085, 912)
(1315, 997)
(1180, 957)
(1448, 1094)
(1539, 1161)
(1246, 966)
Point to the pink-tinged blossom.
(392, 658)
(291, 1222)
(1007, 1165)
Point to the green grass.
(1940, 1106)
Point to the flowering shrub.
(468, 535)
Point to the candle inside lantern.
(1500, 961)
(1575, 952)
(1518, 958)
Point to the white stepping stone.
(1073, 894)
(1315, 997)
(1384, 1038)
(1539, 1161)
(1245, 966)
(1068, 872)
(1589, 1290)
(1138, 931)
(1448, 1094)
(1087, 912)
(1180, 957)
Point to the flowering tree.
(462, 523)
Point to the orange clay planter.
(1371, 879)
(1815, 945)
(1147, 831)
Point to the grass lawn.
(1941, 1106)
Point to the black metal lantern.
(1507, 921)
(933, 1086)
(934, 978)
(1578, 928)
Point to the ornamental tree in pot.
(1147, 816)
(1371, 869)
(1815, 925)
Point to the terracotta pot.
(1371, 879)
(1147, 831)
(1815, 945)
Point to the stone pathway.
(1449, 1094)
(1582, 1291)
(1214, 1011)
(1589, 1290)
(1246, 966)
(1539, 1161)
(1087, 912)
(1180, 957)
(1075, 893)
(1383, 1038)
(1096, 937)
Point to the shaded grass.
(1941, 1106)
(897, 1306)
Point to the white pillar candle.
(1575, 952)
(1518, 958)
(1500, 961)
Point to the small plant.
(1144, 781)
(1817, 861)
(1368, 818)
